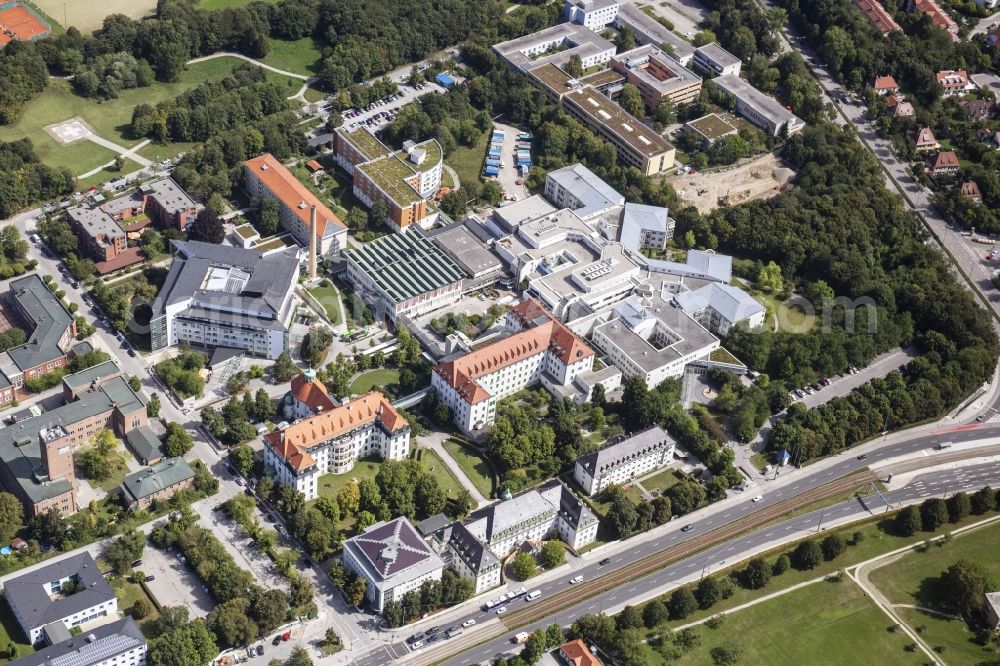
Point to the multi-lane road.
(788, 484)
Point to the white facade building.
(37, 599)
(119, 643)
(307, 397)
(332, 442)
(393, 559)
(578, 188)
(540, 348)
(619, 463)
(221, 296)
(489, 535)
(714, 60)
(719, 307)
(593, 14)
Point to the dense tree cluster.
(108, 73)
(23, 178)
(857, 53)
(181, 373)
(24, 75)
(432, 595)
(934, 512)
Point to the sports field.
(222, 4)
(109, 119)
(87, 15)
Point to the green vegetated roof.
(405, 265)
(389, 173)
(366, 142)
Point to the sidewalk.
(435, 442)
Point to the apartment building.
(556, 45)
(36, 453)
(713, 60)
(539, 348)
(624, 460)
(637, 145)
(223, 296)
(658, 76)
(71, 591)
(392, 559)
(331, 442)
(403, 274)
(52, 332)
(592, 14)
(762, 110)
(265, 176)
(476, 547)
(157, 482)
(119, 643)
(168, 204)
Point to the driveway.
(508, 172)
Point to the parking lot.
(383, 111)
(174, 583)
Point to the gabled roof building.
(157, 482)
(539, 348)
(489, 535)
(393, 559)
(70, 591)
(624, 460)
(332, 441)
(119, 643)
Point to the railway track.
(573, 595)
(721, 534)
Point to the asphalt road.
(968, 478)
(730, 510)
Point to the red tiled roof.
(876, 13)
(577, 653)
(946, 159)
(537, 337)
(970, 189)
(293, 442)
(952, 78)
(293, 194)
(885, 83)
(938, 15)
(313, 165)
(313, 393)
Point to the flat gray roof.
(169, 195)
(650, 31)
(511, 216)
(763, 104)
(48, 317)
(466, 249)
(87, 376)
(720, 56)
(583, 42)
(635, 60)
(594, 194)
(96, 222)
(405, 265)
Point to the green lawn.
(11, 631)
(875, 542)
(824, 623)
(661, 480)
(432, 462)
(108, 119)
(329, 484)
(302, 56)
(473, 465)
(902, 582)
(128, 593)
(468, 162)
(327, 297)
(383, 379)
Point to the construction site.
(761, 178)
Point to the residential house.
(978, 109)
(899, 108)
(944, 163)
(939, 17)
(954, 82)
(877, 14)
(576, 653)
(970, 190)
(885, 85)
(924, 139)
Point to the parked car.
(260, 650)
(136, 564)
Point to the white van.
(533, 595)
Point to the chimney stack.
(312, 242)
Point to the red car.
(285, 636)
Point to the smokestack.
(312, 242)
